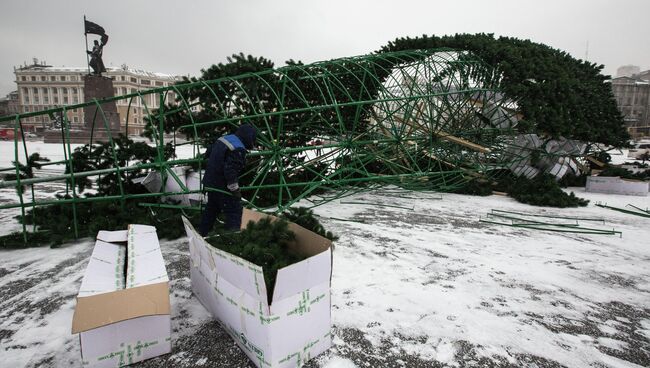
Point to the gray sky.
(181, 37)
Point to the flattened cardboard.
(103, 309)
(104, 271)
(295, 327)
(112, 236)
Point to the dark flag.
(93, 28)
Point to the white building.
(42, 87)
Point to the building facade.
(627, 71)
(42, 87)
(633, 99)
(10, 105)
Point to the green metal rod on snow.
(640, 209)
(553, 216)
(561, 230)
(623, 210)
(528, 221)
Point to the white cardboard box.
(123, 311)
(616, 185)
(189, 178)
(296, 326)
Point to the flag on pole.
(93, 28)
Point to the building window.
(123, 78)
(134, 80)
(159, 83)
(56, 99)
(74, 90)
(112, 77)
(35, 90)
(65, 90)
(65, 100)
(23, 78)
(33, 78)
(76, 119)
(53, 78)
(73, 78)
(146, 82)
(124, 92)
(26, 108)
(76, 100)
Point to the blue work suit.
(226, 161)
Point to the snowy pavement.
(424, 284)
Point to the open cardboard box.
(295, 327)
(123, 311)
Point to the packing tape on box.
(211, 263)
(242, 313)
(131, 265)
(119, 269)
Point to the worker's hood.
(246, 133)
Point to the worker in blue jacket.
(226, 161)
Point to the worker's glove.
(234, 190)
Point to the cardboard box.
(296, 326)
(616, 185)
(123, 311)
(190, 179)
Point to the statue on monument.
(96, 62)
(101, 120)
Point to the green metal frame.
(423, 119)
(523, 220)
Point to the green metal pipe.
(600, 219)
(528, 221)
(377, 204)
(623, 210)
(5, 184)
(560, 230)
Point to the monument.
(102, 120)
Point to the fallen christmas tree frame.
(421, 120)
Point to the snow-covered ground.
(424, 284)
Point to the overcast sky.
(181, 37)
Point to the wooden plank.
(450, 138)
(596, 162)
(463, 142)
